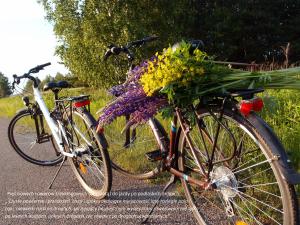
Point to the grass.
(10, 105)
(282, 112)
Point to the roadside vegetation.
(281, 111)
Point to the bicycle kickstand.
(168, 185)
(56, 174)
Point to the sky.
(26, 39)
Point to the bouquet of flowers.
(178, 77)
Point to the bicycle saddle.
(56, 85)
(195, 44)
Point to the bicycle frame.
(57, 131)
(170, 150)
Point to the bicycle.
(133, 143)
(232, 167)
(69, 127)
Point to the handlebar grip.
(114, 50)
(44, 65)
(150, 38)
(107, 54)
(16, 81)
(141, 42)
(38, 68)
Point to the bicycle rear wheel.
(130, 157)
(91, 166)
(23, 137)
(248, 188)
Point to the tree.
(5, 88)
(249, 30)
(236, 30)
(86, 28)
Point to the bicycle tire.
(247, 201)
(93, 163)
(20, 128)
(131, 160)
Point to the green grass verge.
(9, 106)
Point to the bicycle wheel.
(247, 187)
(91, 165)
(129, 157)
(22, 134)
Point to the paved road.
(25, 198)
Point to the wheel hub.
(81, 151)
(225, 181)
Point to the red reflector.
(246, 107)
(81, 104)
(255, 104)
(258, 104)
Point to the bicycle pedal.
(44, 138)
(154, 155)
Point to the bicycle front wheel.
(132, 152)
(91, 165)
(31, 138)
(247, 185)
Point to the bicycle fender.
(278, 151)
(94, 124)
(23, 109)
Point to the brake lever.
(16, 81)
(106, 55)
(35, 70)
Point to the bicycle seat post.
(56, 94)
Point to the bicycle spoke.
(257, 185)
(212, 203)
(259, 209)
(252, 159)
(260, 172)
(95, 177)
(257, 164)
(236, 205)
(250, 210)
(191, 161)
(242, 193)
(89, 167)
(240, 214)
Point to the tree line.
(6, 88)
(239, 30)
(244, 31)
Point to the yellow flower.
(173, 66)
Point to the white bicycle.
(47, 138)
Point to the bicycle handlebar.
(141, 42)
(36, 69)
(116, 50)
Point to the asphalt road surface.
(25, 198)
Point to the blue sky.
(26, 39)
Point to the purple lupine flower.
(132, 100)
(133, 78)
(117, 90)
(147, 109)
